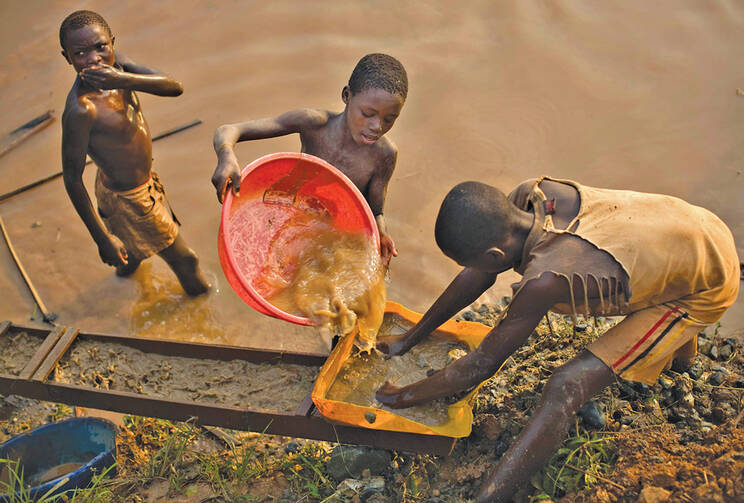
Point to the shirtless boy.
(670, 267)
(353, 140)
(103, 119)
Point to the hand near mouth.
(103, 76)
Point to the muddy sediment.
(363, 374)
(273, 386)
(16, 349)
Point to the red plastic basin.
(273, 190)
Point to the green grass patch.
(583, 459)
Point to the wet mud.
(363, 374)
(16, 349)
(273, 386)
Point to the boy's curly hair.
(472, 218)
(379, 71)
(77, 20)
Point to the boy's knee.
(569, 387)
(563, 386)
(578, 380)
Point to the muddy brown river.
(623, 94)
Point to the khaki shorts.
(645, 342)
(140, 217)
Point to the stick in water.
(21, 133)
(46, 315)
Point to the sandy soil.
(277, 386)
(618, 94)
(16, 349)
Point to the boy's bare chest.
(358, 168)
(118, 114)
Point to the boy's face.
(370, 113)
(88, 46)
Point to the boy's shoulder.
(387, 152)
(387, 146)
(309, 118)
(78, 107)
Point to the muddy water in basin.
(363, 374)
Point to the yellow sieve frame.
(460, 413)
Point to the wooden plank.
(41, 353)
(63, 344)
(29, 329)
(21, 133)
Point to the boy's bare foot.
(185, 264)
(127, 269)
(193, 283)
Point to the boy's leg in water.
(569, 387)
(185, 264)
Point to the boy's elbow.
(72, 182)
(177, 89)
(224, 131)
(70, 175)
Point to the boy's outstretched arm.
(523, 315)
(467, 286)
(376, 193)
(76, 126)
(132, 76)
(227, 172)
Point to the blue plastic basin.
(88, 441)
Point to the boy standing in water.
(352, 141)
(669, 267)
(103, 119)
